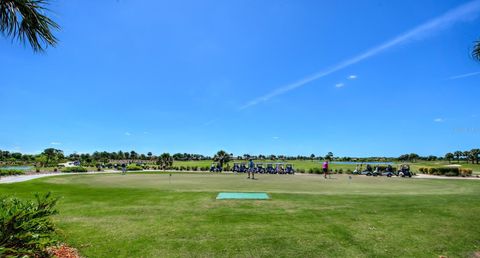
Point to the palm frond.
(476, 50)
(25, 20)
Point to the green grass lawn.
(153, 215)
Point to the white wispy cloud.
(465, 12)
(352, 77)
(439, 120)
(463, 75)
(127, 134)
(275, 137)
(56, 143)
(339, 85)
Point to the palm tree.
(222, 157)
(476, 50)
(25, 20)
(165, 160)
(51, 154)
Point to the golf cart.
(270, 169)
(279, 168)
(404, 171)
(289, 169)
(368, 171)
(259, 168)
(215, 167)
(388, 171)
(239, 167)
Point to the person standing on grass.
(325, 168)
(124, 169)
(251, 169)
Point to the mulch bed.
(63, 251)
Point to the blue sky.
(358, 78)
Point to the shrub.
(301, 170)
(349, 171)
(465, 172)
(11, 172)
(74, 169)
(314, 171)
(26, 229)
(451, 174)
(432, 171)
(134, 167)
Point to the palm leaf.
(25, 20)
(476, 50)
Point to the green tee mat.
(243, 196)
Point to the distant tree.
(458, 155)
(149, 154)
(222, 157)
(133, 155)
(413, 157)
(466, 155)
(312, 156)
(475, 154)
(41, 160)
(25, 20)
(52, 154)
(329, 156)
(449, 156)
(165, 160)
(272, 157)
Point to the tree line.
(52, 156)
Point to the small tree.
(329, 156)
(222, 157)
(165, 160)
(52, 154)
(449, 156)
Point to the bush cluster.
(25, 226)
(11, 172)
(134, 167)
(74, 169)
(446, 171)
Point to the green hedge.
(446, 171)
(134, 167)
(74, 169)
(11, 172)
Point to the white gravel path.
(22, 178)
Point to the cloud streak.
(463, 76)
(465, 12)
